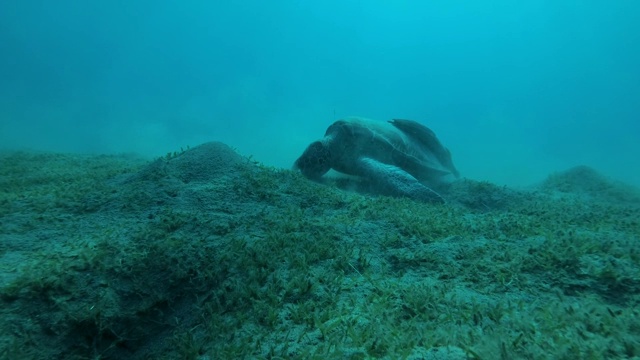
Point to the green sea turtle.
(399, 157)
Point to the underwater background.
(516, 90)
(148, 209)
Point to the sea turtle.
(399, 157)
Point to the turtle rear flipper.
(428, 139)
(391, 180)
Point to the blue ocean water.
(516, 90)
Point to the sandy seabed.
(204, 254)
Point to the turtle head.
(315, 161)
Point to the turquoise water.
(516, 90)
(195, 250)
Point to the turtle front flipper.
(391, 180)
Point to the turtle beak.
(314, 161)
